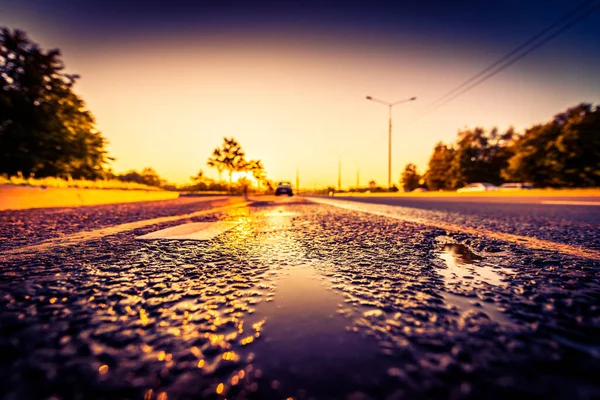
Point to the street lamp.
(390, 105)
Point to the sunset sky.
(167, 80)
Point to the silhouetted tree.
(234, 157)
(198, 178)
(439, 172)
(257, 169)
(230, 157)
(147, 177)
(45, 128)
(410, 177)
(480, 156)
(564, 152)
(150, 177)
(131, 176)
(216, 161)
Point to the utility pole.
(297, 181)
(390, 105)
(390, 146)
(357, 178)
(339, 154)
(339, 174)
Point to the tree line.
(46, 129)
(563, 152)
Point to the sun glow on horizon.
(236, 176)
(292, 100)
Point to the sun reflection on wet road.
(465, 273)
(314, 347)
(297, 300)
(307, 345)
(462, 265)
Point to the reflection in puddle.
(280, 212)
(460, 266)
(592, 350)
(464, 305)
(465, 273)
(307, 345)
(278, 219)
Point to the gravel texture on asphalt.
(27, 227)
(303, 301)
(568, 224)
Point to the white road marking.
(571, 203)
(81, 237)
(191, 231)
(392, 212)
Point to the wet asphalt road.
(27, 227)
(577, 225)
(299, 300)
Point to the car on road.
(284, 188)
(419, 190)
(477, 187)
(515, 186)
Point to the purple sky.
(283, 75)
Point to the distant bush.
(68, 182)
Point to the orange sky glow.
(297, 101)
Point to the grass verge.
(52, 182)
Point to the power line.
(519, 57)
(513, 56)
(556, 23)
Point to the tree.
(439, 171)
(234, 157)
(564, 152)
(480, 156)
(45, 128)
(410, 178)
(147, 177)
(257, 169)
(201, 182)
(216, 161)
(131, 176)
(198, 178)
(150, 177)
(230, 157)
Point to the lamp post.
(390, 105)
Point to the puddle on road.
(467, 272)
(278, 219)
(191, 231)
(465, 305)
(280, 212)
(307, 346)
(461, 265)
